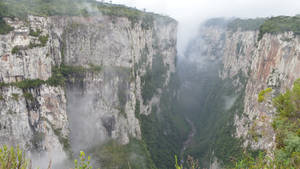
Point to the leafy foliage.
(4, 27)
(83, 162)
(220, 22)
(280, 24)
(213, 116)
(11, 157)
(164, 127)
(23, 8)
(262, 94)
(112, 155)
(59, 75)
(287, 128)
(14, 158)
(154, 79)
(15, 50)
(35, 33)
(245, 24)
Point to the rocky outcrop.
(106, 57)
(251, 65)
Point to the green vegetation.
(154, 78)
(1, 97)
(35, 33)
(37, 139)
(11, 157)
(42, 41)
(245, 24)
(15, 50)
(287, 128)
(23, 8)
(4, 27)
(15, 96)
(164, 127)
(28, 96)
(280, 24)
(59, 76)
(14, 158)
(132, 14)
(131, 156)
(262, 94)
(63, 140)
(220, 22)
(83, 162)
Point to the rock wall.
(94, 105)
(252, 66)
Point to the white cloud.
(190, 13)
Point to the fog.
(190, 13)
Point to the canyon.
(110, 82)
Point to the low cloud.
(190, 13)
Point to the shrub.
(4, 28)
(15, 50)
(43, 40)
(29, 83)
(11, 158)
(1, 97)
(262, 94)
(35, 33)
(28, 96)
(83, 162)
(280, 24)
(15, 96)
(286, 125)
(245, 24)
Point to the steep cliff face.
(246, 65)
(68, 83)
(275, 64)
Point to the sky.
(190, 13)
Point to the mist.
(191, 13)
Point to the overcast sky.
(190, 13)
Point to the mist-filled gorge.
(94, 84)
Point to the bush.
(245, 24)
(4, 28)
(43, 40)
(15, 96)
(15, 50)
(14, 158)
(83, 162)
(35, 33)
(28, 96)
(11, 158)
(280, 24)
(286, 125)
(262, 94)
